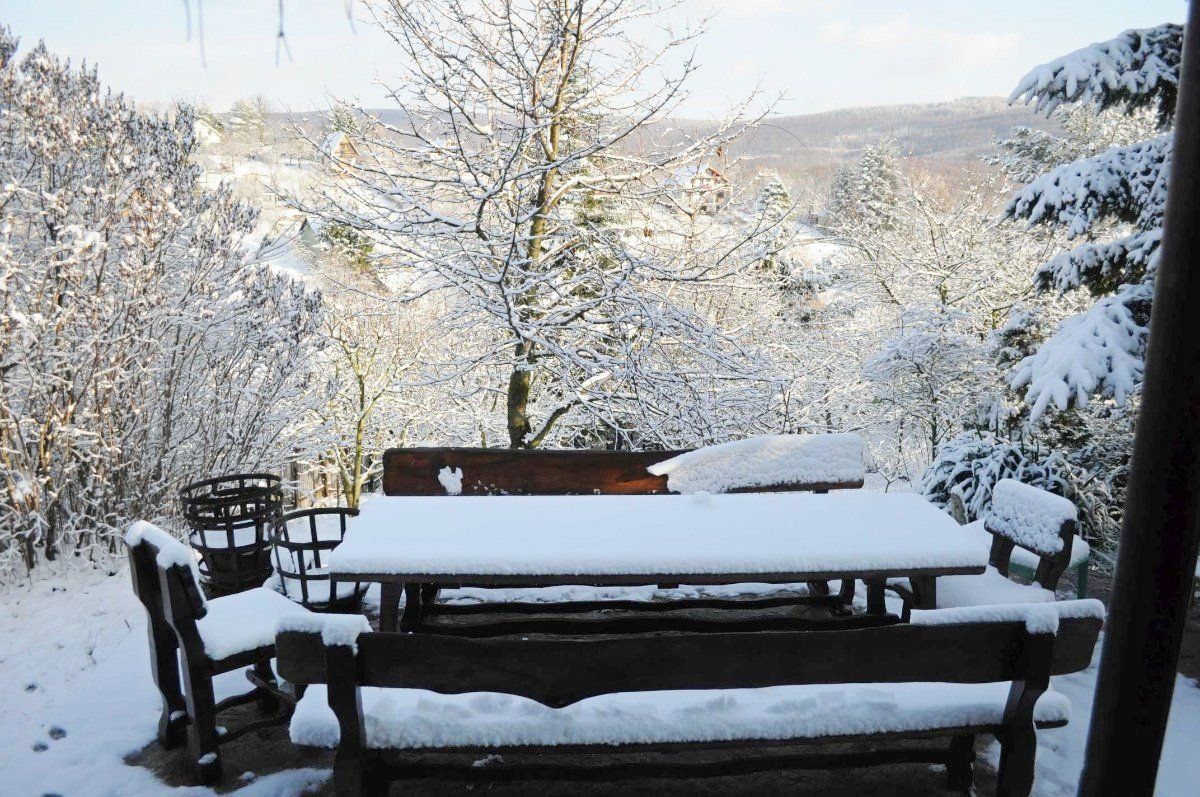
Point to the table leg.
(413, 593)
(429, 595)
(875, 602)
(924, 591)
(389, 605)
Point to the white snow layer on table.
(1080, 550)
(1029, 516)
(1039, 618)
(171, 551)
(415, 718)
(335, 629)
(765, 461)
(789, 533)
(451, 480)
(241, 622)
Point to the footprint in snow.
(57, 733)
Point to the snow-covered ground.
(77, 698)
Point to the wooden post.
(1157, 556)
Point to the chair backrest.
(165, 580)
(987, 646)
(1036, 520)
(300, 539)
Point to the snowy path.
(73, 659)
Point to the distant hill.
(806, 149)
(947, 136)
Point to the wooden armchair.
(204, 639)
(1022, 518)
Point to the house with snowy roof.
(705, 187)
(340, 149)
(206, 133)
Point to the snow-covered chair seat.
(242, 623)
(816, 462)
(986, 589)
(203, 638)
(1026, 526)
(507, 699)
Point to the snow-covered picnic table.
(618, 540)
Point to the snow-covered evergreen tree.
(1114, 201)
(1103, 182)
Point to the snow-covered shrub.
(970, 465)
(140, 344)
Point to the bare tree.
(535, 180)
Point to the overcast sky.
(821, 54)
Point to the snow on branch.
(1137, 69)
(1101, 267)
(1124, 183)
(1097, 351)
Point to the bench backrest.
(506, 471)
(1036, 520)
(558, 671)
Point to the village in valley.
(497, 397)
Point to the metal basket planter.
(230, 521)
(301, 538)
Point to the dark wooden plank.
(492, 471)
(596, 623)
(750, 761)
(673, 604)
(557, 671)
(643, 579)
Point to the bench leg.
(164, 666)
(202, 731)
(349, 777)
(1018, 753)
(1081, 580)
(818, 587)
(960, 772)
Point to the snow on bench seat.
(766, 461)
(245, 621)
(413, 718)
(1030, 516)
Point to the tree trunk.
(519, 382)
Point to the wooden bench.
(948, 674)
(537, 471)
